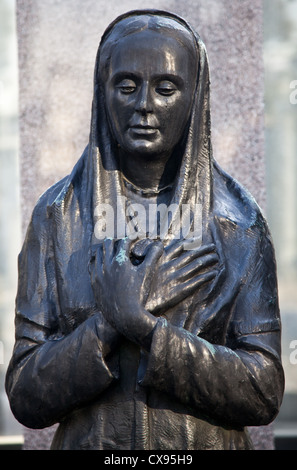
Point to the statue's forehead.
(150, 40)
(147, 54)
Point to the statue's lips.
(143, 130)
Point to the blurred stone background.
(44, 133)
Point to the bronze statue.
(147, 333)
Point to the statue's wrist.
(141, 331)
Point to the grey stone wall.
(58, 41)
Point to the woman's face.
(149, 92)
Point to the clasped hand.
(129, 295)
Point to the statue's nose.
(144, 100)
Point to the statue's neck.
(148, 173)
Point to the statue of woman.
(162, 335)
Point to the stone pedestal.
(57, 47)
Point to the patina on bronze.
(148, 341)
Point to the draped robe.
(214, 366)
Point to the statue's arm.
(240, 383)
(56, 376)
(50, 372)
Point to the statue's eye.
(127, 86)
(166, 88)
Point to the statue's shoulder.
(235, 203)
(48, 198)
